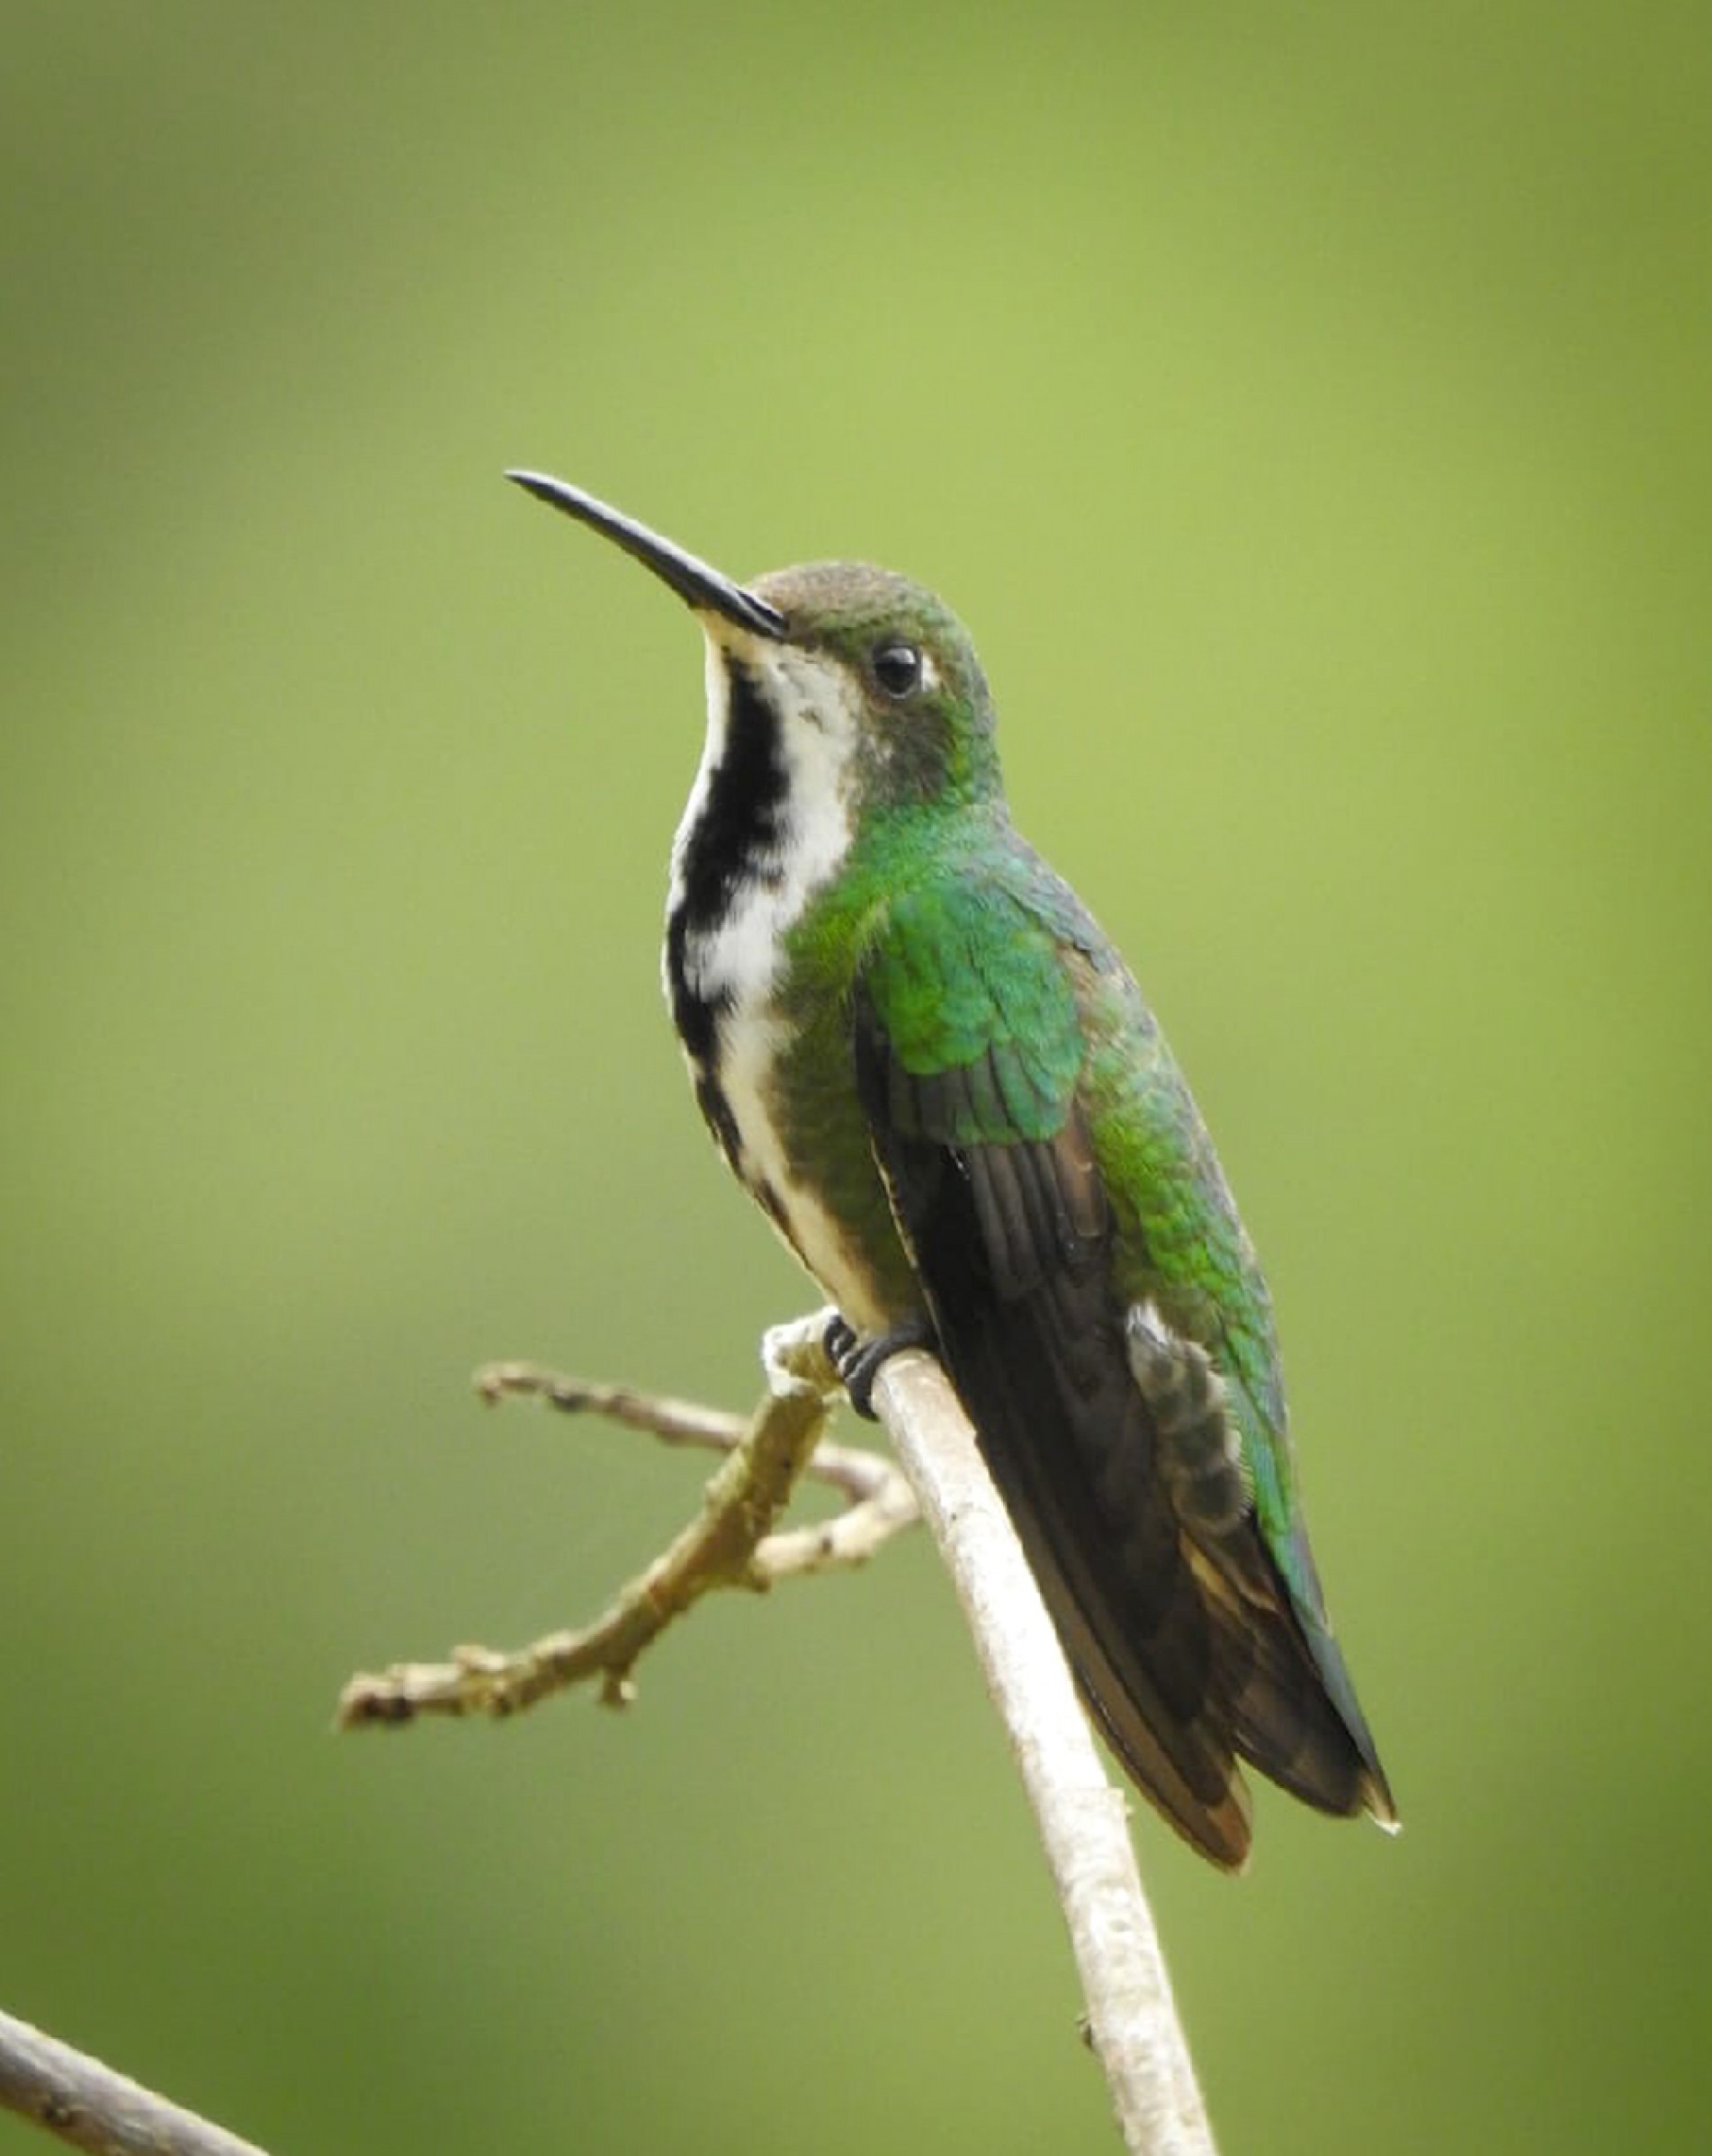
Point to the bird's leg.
(857, 1361)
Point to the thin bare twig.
(731, 1544)
(881, 1501)
(92, 2108)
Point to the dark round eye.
(897, 668)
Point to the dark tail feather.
(1287, 1717)
(1341, 1764)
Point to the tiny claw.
(839, 1341)
(858, 1362)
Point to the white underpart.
(739, 961)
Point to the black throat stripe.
(737, 829)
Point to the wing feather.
(1187, 1647)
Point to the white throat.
(733, 958)
(769, 820)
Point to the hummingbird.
(935, 1073)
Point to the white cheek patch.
(823, 721)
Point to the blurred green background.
(1308, 409)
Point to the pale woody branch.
(1083, 1821)
(88, 2105)
(1131, 2020)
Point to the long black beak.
(694, 581)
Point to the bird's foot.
(857, 1361)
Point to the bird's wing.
(968, 1054)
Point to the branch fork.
(736, 1541)
(733, 1542)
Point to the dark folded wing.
(1186, 1645)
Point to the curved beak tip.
(701, 587)
(543, 486)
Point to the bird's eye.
(897, 668)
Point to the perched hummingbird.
(936, 1076)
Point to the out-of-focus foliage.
(1308, 410)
